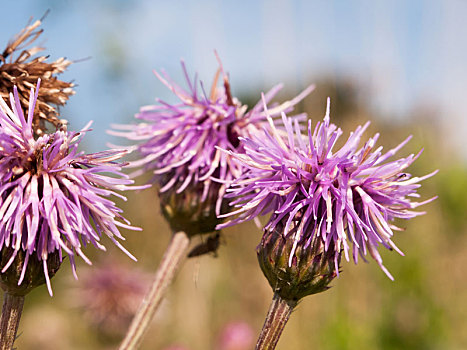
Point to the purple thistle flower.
(53, 199)
(180, 141)
(342, 198)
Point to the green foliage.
(452, 184)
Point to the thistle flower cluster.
(53, 198)
(343, 199)
(20, 67)
(181, 145)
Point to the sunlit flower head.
(344, 199)
(53, 198)
(179, 142)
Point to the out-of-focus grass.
(424, 308)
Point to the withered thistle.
(21, 66)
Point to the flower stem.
(11, 314)
(278, 315)
(174, 255)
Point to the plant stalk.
(171, 261)
(278, 315)
(11, 314)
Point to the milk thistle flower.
(20, 66)
(323, 203)
(53, 199)
(179, 145)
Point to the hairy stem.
(278, 315)
(11, 314)
(176, 252)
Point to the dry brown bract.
(24, 71)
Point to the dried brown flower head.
(19, 67)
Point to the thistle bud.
(191, 211)
(25, 273)
(294, 273)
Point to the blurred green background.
(381, 64)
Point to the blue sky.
(407, 53)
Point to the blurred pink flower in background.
(109, 295)
(176, 347)
(236, 336)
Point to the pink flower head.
(347, 198)
(54, 199)
(180, 141)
